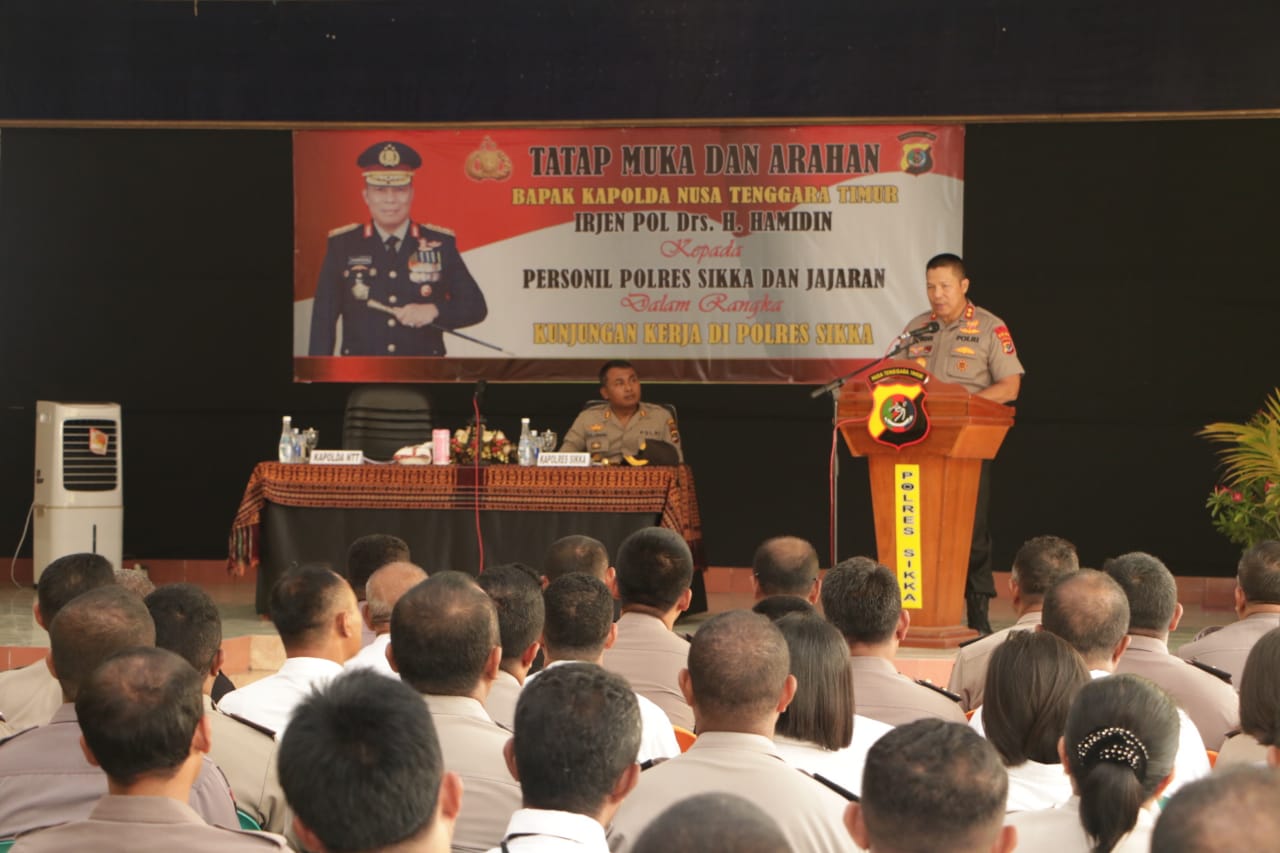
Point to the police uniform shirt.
(29, 696)
(809, 814)
(1058, 830)
(842, 766)
(1241, 749)
(270, 701)
(1210, 702)
(472, 745)
(657, 737)
(650, 656)
(1228, 648)
(374, 657)
(969, 672)
(598, 431)
(247, 757)
(125, 824)
(502, 698)
(882, 693)
(45, 780)
(549, 831)
(975, 350)
(361, 281)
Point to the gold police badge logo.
(917, 151)
(898, 415)
(488, 162)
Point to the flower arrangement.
(1245, 506)
(495, 447)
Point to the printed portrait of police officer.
(389, 285)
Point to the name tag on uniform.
(564, 460)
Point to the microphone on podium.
(926, 329)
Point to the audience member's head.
(713, 821)
(136, 581)
(932, 785)
(67, 577)
(362, 769)
(579, 617)
(370, 553)
(1258, 574)
(1152, 592)
(777, 606)
(786, 565)
(141, 713)
(1032, 679)
(517, 595)
(189, 625)
(316, 614)
(576, 554)
(92, 627)
(577, 733)
(739, 673)
(1228, 811)
(1090, 611)
(655, 569)
(861, 598)
(1039, 562)
(1260, 690)
(1119, 748)
(384, 588)
(444, 637)
(822, 710)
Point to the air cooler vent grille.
(82, 469)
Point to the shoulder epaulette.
(440, 228)
(257, 727)
(1211, 669)
(924, 682)
(835, 786)
(344, 229)
(3, 741)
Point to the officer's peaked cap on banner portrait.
(389, 164)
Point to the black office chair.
(381, 419)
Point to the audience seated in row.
(1259, 706)
(1257, 604)
(382, 590)
(1230, 811)
(365, 556)
(517, 594)
(786, 565)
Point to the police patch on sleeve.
(1006, 340)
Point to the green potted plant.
(1245, 506)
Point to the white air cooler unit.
(79, 497)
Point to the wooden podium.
(924, 484)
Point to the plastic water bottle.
(524, 450)
(288, 449)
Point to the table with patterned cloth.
(319, 509)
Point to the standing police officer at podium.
(398, 285)
(972, 348)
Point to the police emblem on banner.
(917, 151)
(898, 415)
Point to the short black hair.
(442, 632)
(579, 613)
(1089, 610)
(1260, 690)
(92, 627)
(302, 601)
(1149, 586)
(655, 567)
(369, 553)
(713, 821)
(1231, 809)
(69, 576)
(138, 711)
(187, 623)
(738, 664)
(945, 771)
(1032, 679)
(610, 365)
(785, 565)
(577, 729)
(1042, 560)
(822, 710)
(947, 259)
(1259, 573)
(777, 606)
(517, 595)
(360, 763)
(862, 599)
(575, 554)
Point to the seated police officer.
(617, 428)
(396, 284)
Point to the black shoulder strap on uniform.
(835, 786)
(257, 727)
(1211, 669)
(924, 682)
